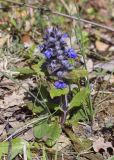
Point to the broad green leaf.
(24, 70)
(58, 92)
(17, 147)
(3, 148)
(34, 108)
(79, 98)
(79, 116)
(76, 74)
(50, 132)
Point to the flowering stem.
(63, 118)
(64, 106)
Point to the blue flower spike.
(57, 55)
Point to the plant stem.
(44, 9)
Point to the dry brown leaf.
(3, 40)
(63, 142)
(98, 4)
(2, 128)
(100, 144)
(12, 100)
(101, 47)
(109, 66)
(109, 78)
(27, 41)
(28, 135)
(89, 65)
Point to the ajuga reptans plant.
(58, 55)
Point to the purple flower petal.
(61, 57)
(60, 84)
(48, 53)
(60, 73)
(41, 47)
(71, 53)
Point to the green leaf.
(3, 148)
(31, 51)
(76, 74)
(37, 67)
(17, 147)
(44, 157)
(49, 131)
(57, 92)
(79, 116)
(34, 108)
(24, 70)
(14, 23)
(79, 98)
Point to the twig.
(62, 14)
(25, 126)
(25, 152)
(83, 20)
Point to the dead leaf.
(89, 65)
(3, 40)
(109, 66)
(100, 144)
(28, 135)
(2, 128)
(12, 100)
(62, 142)
(111, 49)
(101, 47)
(16, 124)
(99, 4)
(27, 41)
(109, 78)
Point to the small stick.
(63, 15)
(25, 127)
(25, 152)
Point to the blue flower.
(53, 64)
(48, 53)
(41, 47)
(64, 62)
(60, 57)
(56, 51)
(51, 39)
(67, 64)
(60, 84)
(65, 35)
(60, 73)
(71, 53)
